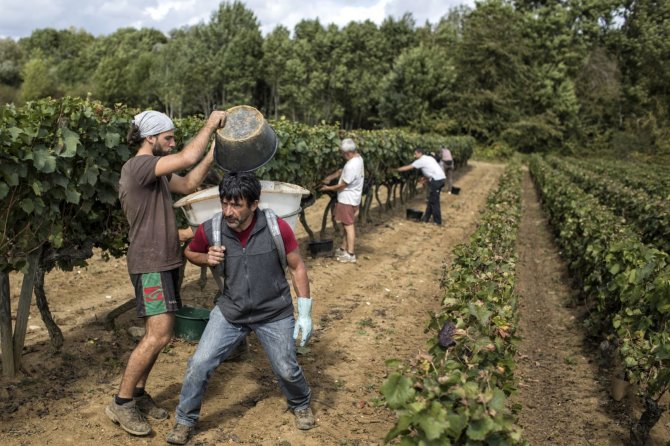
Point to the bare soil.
(364, 314)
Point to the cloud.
(160, 11)
(289, 13)
(20, 17)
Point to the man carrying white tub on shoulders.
(249, 248)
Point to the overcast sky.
(18, 18)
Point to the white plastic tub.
(292, 218)
(200, 206)
(283, 198)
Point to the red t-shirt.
(201, 244)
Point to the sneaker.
(347, 258)
(304, 419)
(180, 434)
(147, 406)
(339, 252)
(128, 417)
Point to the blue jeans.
(219, 340)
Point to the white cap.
(348, 145)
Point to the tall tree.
(645, 66)
(276, 55)
(449, 29)
(234, 38)
(360, 65)
(10, 70)
(182, 73)
(313, 59)
(548, 104)
(122, 71)
(416, 91)
(63, 49)
(599, 91)
(10, 62)
(39, 80)
(397, 36)
(491, 71)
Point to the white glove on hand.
(304, 321)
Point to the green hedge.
(60, 162)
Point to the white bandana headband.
(152, 123)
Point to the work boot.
(180, 434)
(304, 419)
(128, 417)
(147, 406)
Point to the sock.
(138, 391)
(121, 401)
(350, 253)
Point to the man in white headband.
(154, 255)
(152, 123)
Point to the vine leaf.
(397, 390)
(71, 141)
(27, 205)
(112, 140)
(433, 423)
(14, 132)
(479, 429)
(72, 196)
(43, 161)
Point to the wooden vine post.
(23, 310)
(6, 327)
(12, 344)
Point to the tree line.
(517, 75)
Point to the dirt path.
(563, 391)
(364, 313)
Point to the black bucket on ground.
(413, 214)
(321, 248)
(455, 190)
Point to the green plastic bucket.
(190, 322)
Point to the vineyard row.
(457, 393)
(624, 282)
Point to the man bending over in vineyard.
(432, 171)
(349, 192)
(154, 255)
(255, 296)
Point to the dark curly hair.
(133, 137)
(237, 185)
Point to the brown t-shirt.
(147, 202)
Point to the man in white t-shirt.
(349, 192)
(435, 177)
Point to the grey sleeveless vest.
(255, 288)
